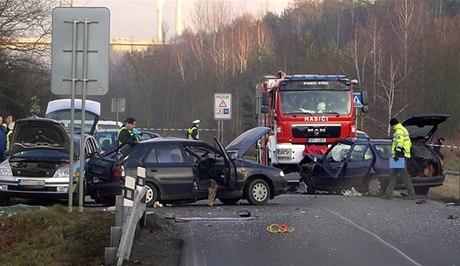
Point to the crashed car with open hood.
(181, 170)
(38, 162)
(364, 163)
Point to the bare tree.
(407, 25)
(24, 18)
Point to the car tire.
(421, 190)
(374, 186)
(151, 195)
(257, 192)
(229, 201)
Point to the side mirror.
(364, 97)
(265, 98)
(264, 109)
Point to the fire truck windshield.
(335, 102)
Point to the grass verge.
(53, 236)
(448, 192)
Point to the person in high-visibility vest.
(126, 132)
(192, 132)
(9, 134)
(400, 149)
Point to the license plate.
(28, 182)
(317, 140)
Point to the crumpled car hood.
(39, 133)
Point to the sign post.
(222, 111)
(79, 66)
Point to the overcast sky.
(137, 19)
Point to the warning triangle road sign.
(222, 104)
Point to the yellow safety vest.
(401, 139)
(190, 130)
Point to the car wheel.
(151, 195)
(374, 186)
(257, 192)
(229, 201)
(421, 190)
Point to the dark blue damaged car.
(364, 163)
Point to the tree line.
(404, 53)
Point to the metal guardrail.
(454, 173)
(130, 211)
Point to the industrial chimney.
(178, 18)
(160, 21)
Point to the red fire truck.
(306, 114)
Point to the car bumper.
(105, 190)
(280, 186)
(431, 181)
(35, 188)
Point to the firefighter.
(192, 132)
(400, 148)
(126, 132)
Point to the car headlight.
(6, 172)
(62, 172)
(281, 173)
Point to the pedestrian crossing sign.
(358, 100)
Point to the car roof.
(366, 141)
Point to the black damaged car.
(180, 170)
(364, 163)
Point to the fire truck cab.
(306, 114)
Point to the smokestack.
(178, 18)
(160, 20)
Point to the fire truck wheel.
(257, 192)
(374, 186)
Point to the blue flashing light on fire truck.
(306, 114)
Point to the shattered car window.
(338, 153)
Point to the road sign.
(222, 106)
(80, 50)
(357, 99)
(118, 105)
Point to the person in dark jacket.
(126, 132)
(192, 132)
(437, 147)
(2, 142)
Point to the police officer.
(192, 132)
(400, 148)
(126, 133)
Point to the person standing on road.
(9, 134)
(400, 148)
(192, 132)
(126, 132)
(9, 123)
(437, 147)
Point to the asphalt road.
(329, 230)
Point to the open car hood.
(243, 142)
(422, 127)
(39, 133)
